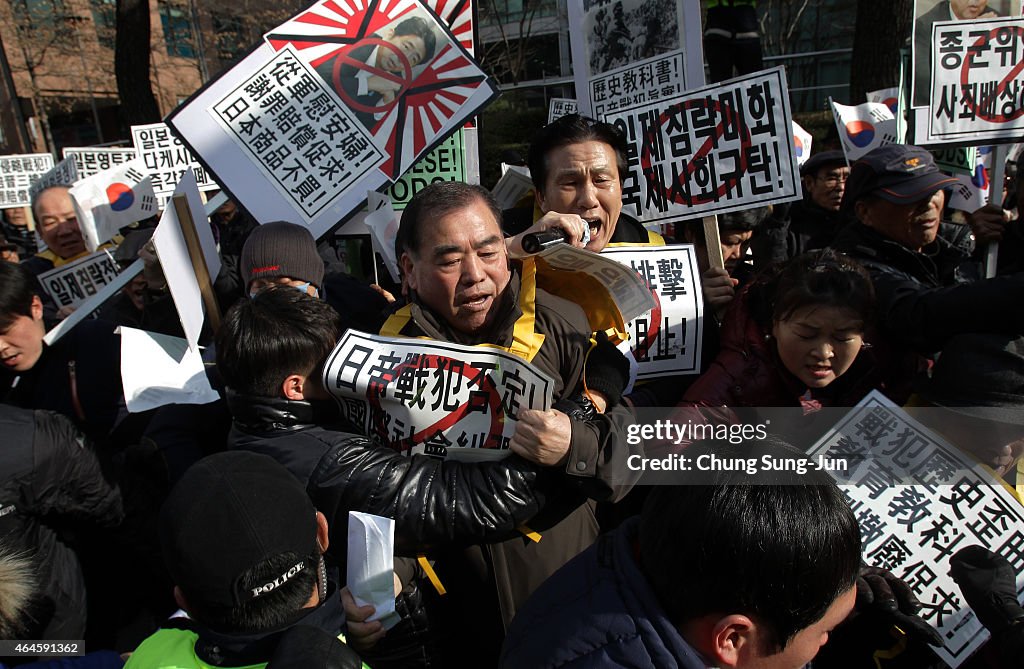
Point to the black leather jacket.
(433, 502)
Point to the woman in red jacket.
(794, 338)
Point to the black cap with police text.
(228, 513)
(899, 173)
(822, 159)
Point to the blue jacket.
(597, 611)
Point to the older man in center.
(463, 289)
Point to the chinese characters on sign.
(17, 174)
(666, 340)
(918, 500)
(426, 396)
(714, 150)
(307, 144)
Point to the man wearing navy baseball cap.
(925, 297)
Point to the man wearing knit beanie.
(281, 253)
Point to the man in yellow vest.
(463, 289)
(57, 224)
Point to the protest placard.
(110, 200)
(447, 162)
(559, 107)
(72, 284)
(167, 159)
(422, 396)
(713, 150)
(976, 81)
(513, 186)
(926, 14)
(918, 500)
(864, 127)
(959, 160)
(586, 278)
(634, 52)
(17, 174)
(173, 250)
(85, 309)
(350, 89)
(667, 339)
(63, 173)
(90, 160)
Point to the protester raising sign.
(430, 397)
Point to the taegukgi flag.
(112, 199)
(802, 143)
(864, 127)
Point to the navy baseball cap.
(822, 159)
(899, 173)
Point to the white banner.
(667, 339)
(18, 173)
(918, 500)
(977, 81)
(91, 160)
(167, 159)
(717, 149)
(72, 284)
(423, 396)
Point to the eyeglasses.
(833, 180)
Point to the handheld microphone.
(535, 242)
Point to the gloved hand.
(989, 585)
(886, 595)
(606, 370)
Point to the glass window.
(177, 30)
(104, 15)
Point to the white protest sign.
(297, 117)
(561, 267)
(167, 159)
(90, 160)
(112, 199)
(176, 262)
(383, 224)
(918, 500)
(72, 284)
(158, 369)
(863, 127)
(63, 173)
(634, 52)
(559, 107)
(667, 339)
(512, 187)
(713, 150)
(371, 564)
(17, 174)
(802, 141)
(424, 396)
(977, 80)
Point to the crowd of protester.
(214, 535)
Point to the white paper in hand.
(371, 565)
(157, 369)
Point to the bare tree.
(508, 57)
(882, 28)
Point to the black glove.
(988, 584)
(606, 370)
(578, 407)
(884, 594)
